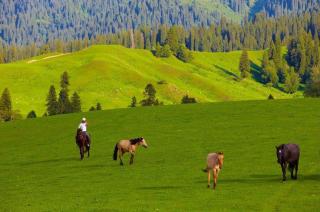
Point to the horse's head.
(143, 143)
(220, 159)
(280, 153)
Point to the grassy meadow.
(111, 75)
(41, 170)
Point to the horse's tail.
(115, 153)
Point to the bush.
(184, 54)
(270, 97)
(188, 100)
(31, 115)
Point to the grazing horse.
(83, 143)
(214, 163)
(288, 154)
(130, 146)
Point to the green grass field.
(41, 170)
(111, 75)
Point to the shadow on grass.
(263, 179)
(235, 77)
(49, 161)
(160, 187)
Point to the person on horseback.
(83, 126)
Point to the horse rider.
(83, 126)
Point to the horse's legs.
(296, 166)
(120, 157)
(81, 152)
(215, 177)
(209, 173)
(131, 158)
(284, 167)
(88, 151)
(291, 167)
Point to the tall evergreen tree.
(64, 81)
(244, 64)
(98, 107)
(52, 103)
(5, 106)
(150, 96)
(75, 103)
(292, 81)
(133, 102)
(64, 102)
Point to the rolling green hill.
(41, 170)
(113, 74)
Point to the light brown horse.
(214, 163)
(130, 146)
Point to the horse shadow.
(49, 161)
(262, 178)
(160, 187)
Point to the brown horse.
(130, 146)
(83, 143)
(214, 163)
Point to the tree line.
(223, 36)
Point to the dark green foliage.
(64, 81)
(269, 74)
(32, 114)
(184, 54)
(270, 97)
(75, 103)
(292, 81)
(98, 106)
(64, 103)
(133, 102)
(244, 64)
(150, 96)
(52, 103)
(188, 100)
(173, 39)
(313, 86)
(6, 113)
(92, 108)
(163, 51)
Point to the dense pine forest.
(38, 21)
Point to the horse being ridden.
(214, 163)
(288, 154)
(83, 143)
(130, 146)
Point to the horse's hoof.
(208, 186)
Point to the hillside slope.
(111, 75)
(41, 170)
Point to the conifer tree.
(52, 103)
(292, 81)
(244, 64)
(75, 103)
(5, 106)
(98, 107)
(133, 102)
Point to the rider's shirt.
(83, 127)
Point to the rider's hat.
(84, 119)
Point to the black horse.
(288, 154)
(83, 143)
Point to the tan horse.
(214, 163)
(130, 146)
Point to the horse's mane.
(219, 153)
(135, 140)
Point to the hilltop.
(111, 75)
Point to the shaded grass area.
(40, 167)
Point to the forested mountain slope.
(37, 21)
